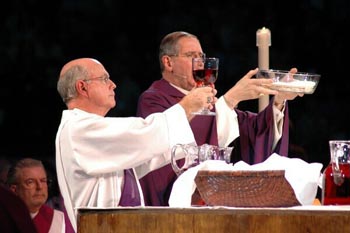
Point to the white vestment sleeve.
(278, 125)
(227, 123)
(177, 138)
(93, 151)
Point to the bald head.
(77, 69)
(83, 62)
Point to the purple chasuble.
(130, 194)
(253, 146)
(157, 185)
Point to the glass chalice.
(205, 73)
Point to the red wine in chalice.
(205, 77)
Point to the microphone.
(179, 75)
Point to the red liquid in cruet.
(336, 191)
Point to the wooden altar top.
(215, 219)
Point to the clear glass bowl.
(299, 82)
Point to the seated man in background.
(27, 179)
(259, 135)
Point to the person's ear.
(167, 62)
(80, 86)
(13, 188)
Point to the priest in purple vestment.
(254, 136)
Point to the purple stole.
(130, 193)
(43, 219)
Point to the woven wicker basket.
(245, 188)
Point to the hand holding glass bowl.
(205, 72)
(299, 82)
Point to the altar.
(310, 219)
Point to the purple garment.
(69, 227)
(257, 135)
(130, 194)
(14, 214)
(253, 145)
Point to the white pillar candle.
(263, 41)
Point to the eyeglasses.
(32, 183)
(104, 79)
(189, 55)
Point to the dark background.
(39, 37)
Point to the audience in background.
(28, 180)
